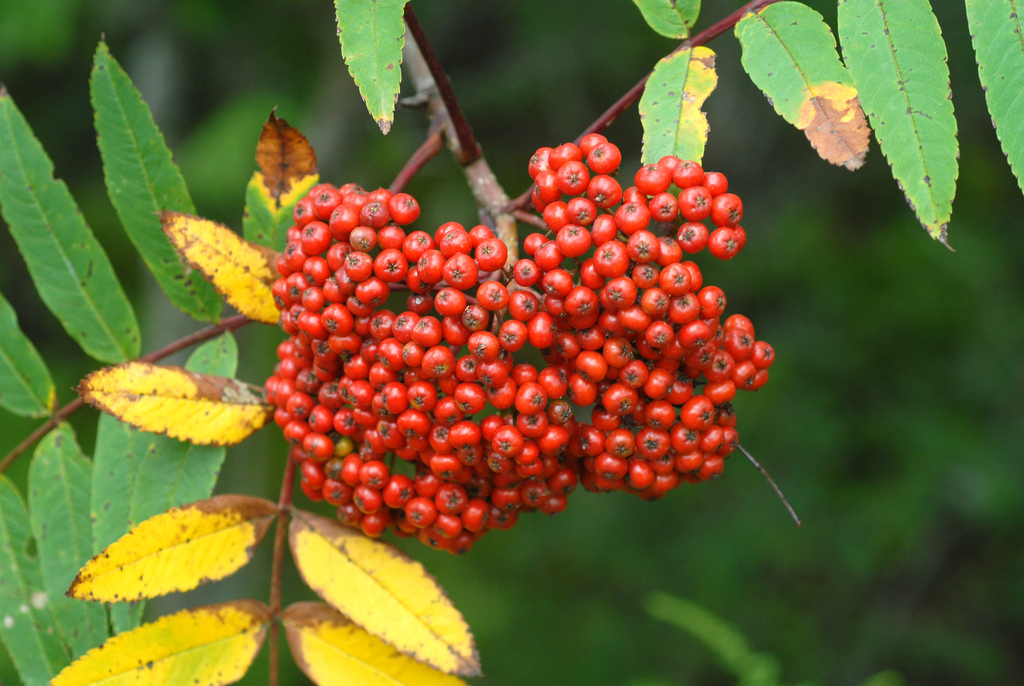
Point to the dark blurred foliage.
(895, 414)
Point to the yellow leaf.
(201, 408)
(204, 646)
(241, 271)
(670, 108)
(330, 650)
(383, 591)
(177, 550)
(286, 159)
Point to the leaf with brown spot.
(201, 408)
(177, 550)
(284, 156)
(241, 271)
(790, 54)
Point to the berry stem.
(634, 93)
(426, 152)
(432, 83)
(228, 324)
(469, 150)
(768, 478)
(277, 566)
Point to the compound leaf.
(241, 271)
(201, 408)
(895, 53)
(790, 54)
(58, 498)
(996, 32)
(177, 550)
(671, 18)
(26, 388)
(288, 170)
(142, 179)
(670, 107)
(202, 646)
(27, 625)
(68, 266)
(331, 650)
(372, 36)
(383, 591)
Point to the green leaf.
(895, 53)
(142, 180)
(671, 18)
(25, 384)
(176, 472)
(670, 107)
(68, 266)
(58, 485)
(372, 35)
(265, 223)
(26, 618)
(996, 32)
(790, 54)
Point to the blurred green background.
(895, 414)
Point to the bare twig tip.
(768, 478)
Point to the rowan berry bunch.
(421, 420)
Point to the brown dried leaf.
(284, 156)
(833, 121)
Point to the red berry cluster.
(420, 420)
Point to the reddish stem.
(634, 93)
(277, 566)
(426, 152)
(228, 324)
(469, 150)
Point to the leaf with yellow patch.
(790, 54)
(241, 271)
(203, 646)
(201, 408)
(177, 550)
(330, 650)
(383, 591)
(670, 106)
(288, 169)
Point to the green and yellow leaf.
(203, 409)
(177, 550)
(67, 264)
(895, 53)
(142, 179)
(996, 34)
(241, 271)
(58, 500)
(26, 388)
(670, 18)
(372, 36)
(331, 650)
(670, 107)
(288, 169)
(383, 591)
(790, 54)
(203, 646)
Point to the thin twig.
(426, 152)
(634, 93)
(469, 149)
(527, 218)
(277, 566)
(768, 478)
(228, 324)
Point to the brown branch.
(426, 152)
(634, 93)
(468, 147)
(277, 566)
(768, 478)
(228, 324)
